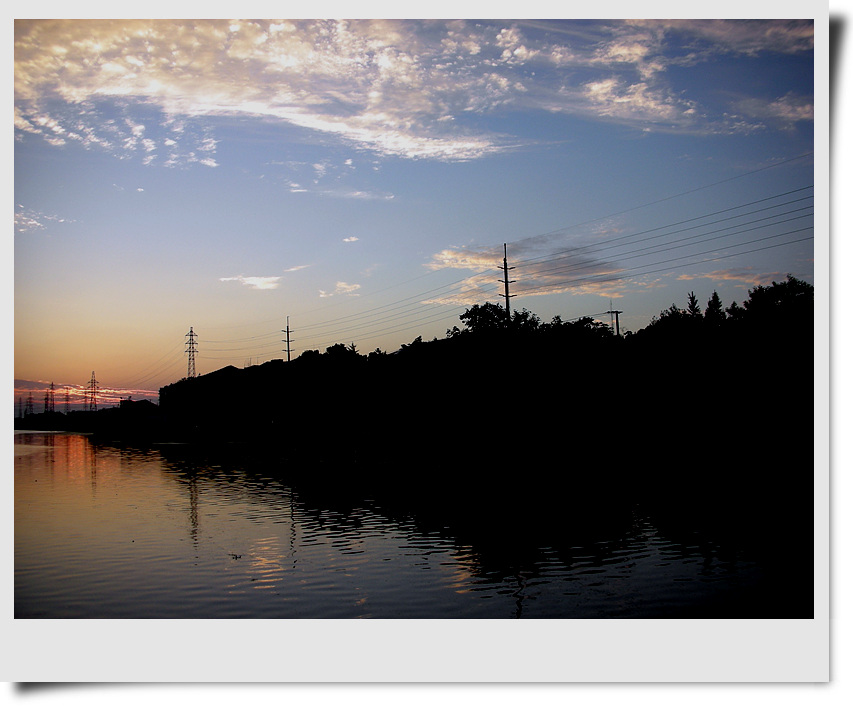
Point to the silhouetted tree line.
(712, 387)
(700, 399)
(705, 416)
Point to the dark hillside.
(689, 402)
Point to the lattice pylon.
(191, 352)
(92, 394)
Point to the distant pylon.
(611, 312)
(287, 340)
(507, 282)
(50, 399)
(92, 394)
(67, 402)
(191, 352)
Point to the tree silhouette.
(735, 312)
(670, 320)
(790, 299)
(482, 318)
(341, 352)
(784, 306)
(524, 322)
(714, 313)
(585, 327)
(693, 309)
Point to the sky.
(356, 180)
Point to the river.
(111, 531)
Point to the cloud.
(350, 239)
(324, 179)
(785, 111)
(746, 276)
(749, 37)
(411, 89)
(342, 288)
(637, 102)
(358, 194)
(254, 282)
(296, 268)
(540, 268)
(76, 394)
(28, 221)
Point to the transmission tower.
(67, 402)
(50, 399)
(611, 312)
(92, 394)
(506, 282)
(287, 340)
(28, 410)
(191, 352)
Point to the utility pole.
(507, 281)
(611, 312)
(287, 340)
(92, 394)
(191, 352)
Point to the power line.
(364, 322)
(616, 239)
(603, 278)
(654, 250)
(406, 308)
(563, 284)
(523, 240)
(671, 197)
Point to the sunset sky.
(361, 178)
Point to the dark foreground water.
(163, 532)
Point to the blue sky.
(361, 177)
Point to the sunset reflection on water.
(118, 532)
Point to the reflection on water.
(112, 532)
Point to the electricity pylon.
(611, 312)
(191, 352)
(287, 340)
(507, 281)
(92, 394)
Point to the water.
(117, 532)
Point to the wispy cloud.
(785, 111)
(358, 194)
(749, 37)
(255, 282)
(745, 276)
(392, 88)
(342, 288)
(28, 221)
(76, 394)
(538, 269)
